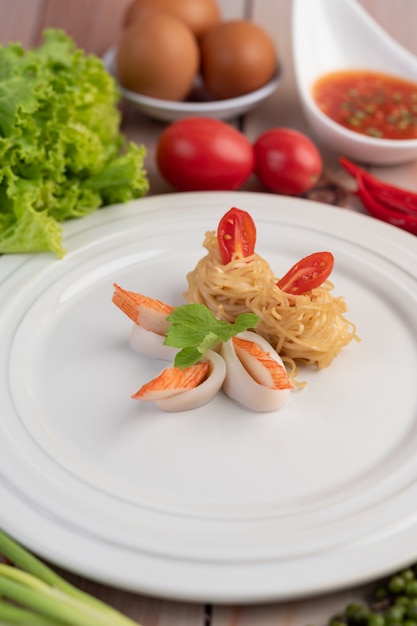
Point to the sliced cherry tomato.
(307, 274)
(236, 235)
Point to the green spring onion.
(32, 594)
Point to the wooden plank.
(316, 610)
(97, 30)
(19, 21)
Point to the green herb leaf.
(187, 357)
(195, 329)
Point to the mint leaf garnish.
(195, 329)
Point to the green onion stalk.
(32, 594)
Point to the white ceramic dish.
(219, 503)
(329, 36)
(168, 111)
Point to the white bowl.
(332, 35)
(169, 111)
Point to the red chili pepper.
(391, 204)
(403, 205)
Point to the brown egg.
(199, 15)
(158, 56)
(237, 57)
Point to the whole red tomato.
(287, 161)
(198, 153)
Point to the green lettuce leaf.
(62, 154)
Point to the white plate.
(170, 111)
(216, 504)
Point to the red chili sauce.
(370, 103)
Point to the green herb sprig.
(32, 594)
(195, 329)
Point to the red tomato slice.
(236, 235)
(307, 274)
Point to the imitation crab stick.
(150, 324)
(147, 312)
(263, 368)
(255, 374)
(171, 381)
(176, 389)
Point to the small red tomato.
(198, 153)
(286, 161)
(307, 274)
(236, 235)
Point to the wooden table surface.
(95, 26)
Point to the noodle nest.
(310, 328)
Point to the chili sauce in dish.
(370, 103)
